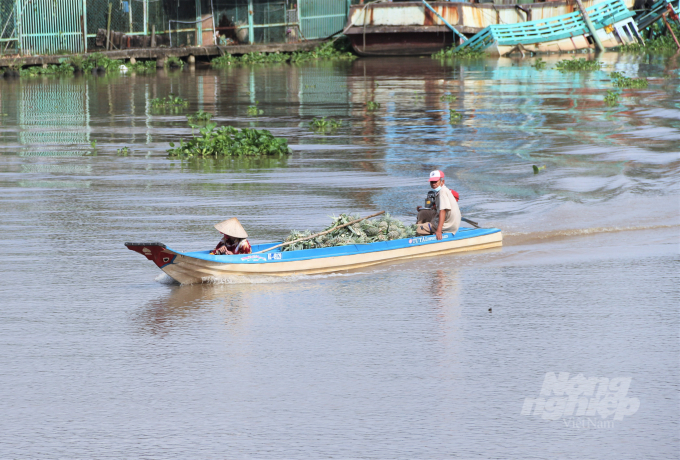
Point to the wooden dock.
(162, 53)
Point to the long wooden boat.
(202, 267)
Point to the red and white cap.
(436, 175)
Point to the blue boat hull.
(201, 266)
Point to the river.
(102, 356)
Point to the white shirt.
(446, 202)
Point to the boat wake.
(259, 279)
(518, 238)
(164, 278)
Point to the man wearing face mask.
(446, 215)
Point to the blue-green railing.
(555, 28)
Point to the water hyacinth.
(385, 228)
(230, 141)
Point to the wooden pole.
(108, 31)
(321, 233)
(668, 27)
(591, 27)
(82, 29)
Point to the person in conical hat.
(234, 238)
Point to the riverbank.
(160, 54)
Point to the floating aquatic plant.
(52, 69)
(170, 101)
(539, 64)
(123, 151)
(338, 49)
(323, 125)
(455, 117)
(372, 106)
(264, 58)
(447, 98)
(101, 63)
(77, 61)
(538, 169)
(331, 50)
(612, 97)
(463, 53)
(173, 62)
(577, 65)
(385, 228)
(229, 141)
(199, 117)
(254, 111)
(621, 81)
(142, 66)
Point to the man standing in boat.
(444, 216)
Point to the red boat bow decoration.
(153, 251)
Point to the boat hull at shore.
(411, 29)
(202, 267)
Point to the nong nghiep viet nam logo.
(562, 397)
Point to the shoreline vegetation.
(659, 42)
(100, 64)
(338, 50)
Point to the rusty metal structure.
(420, 28)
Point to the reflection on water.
(399, 360)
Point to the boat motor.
(430, 200)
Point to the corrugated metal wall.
(322, 18)
(53, 26)
(47, 27)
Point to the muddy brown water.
(103, 357)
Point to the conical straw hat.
(232, 227)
